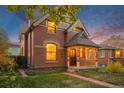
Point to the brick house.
(110, 54)
(46, 45)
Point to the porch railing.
(88, 63)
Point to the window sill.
(51, 62)
(51, 33)
(102, 57)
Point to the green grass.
(46, 80)
(114, 78)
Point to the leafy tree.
(3, 42)
(6, 63)
(57, 13)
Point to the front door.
(73, 57)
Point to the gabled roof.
(41, 19)
(68, 26)
(103, 46)
(80, 39)
(62, 25)
(78, 23)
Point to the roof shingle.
(80, 39)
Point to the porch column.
(96, 63)
(67, 61)
(78, 57)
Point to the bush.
(122, 70)
(114, 67)
(6, 64)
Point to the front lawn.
(46, 80)
(114, 78)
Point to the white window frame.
(110, 53)
(102, 53)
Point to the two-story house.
(46, 45)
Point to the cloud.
(101, 32)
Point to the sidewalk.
(102, 83)
(22, 72)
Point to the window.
(22, 51)
(102, 53)
(51, 52)
(90, 53)
(76, 28)
(110, 53)
(117, 53)
(51, 27)
(82, 53)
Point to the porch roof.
(103, 46)
(80, 39)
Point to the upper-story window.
(51, 27)
(77, 29)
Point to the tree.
(57, 13)
(3, 42)
(6, 63)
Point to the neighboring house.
(110, 54)
(46, 45)
(14, 49)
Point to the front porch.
(81, 57)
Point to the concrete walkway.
(22, 72)
(102, 83)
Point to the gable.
(68, 26)
(80, 25)
(62, 25)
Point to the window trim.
(102, 53)
(51, 61)
(90, 53)
(110, 53)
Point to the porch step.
(71, 70)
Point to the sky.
(100, 21)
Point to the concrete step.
(71, 70)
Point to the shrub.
(122, 70)
(7, 64)
(114, 67)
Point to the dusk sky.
(100, 21)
